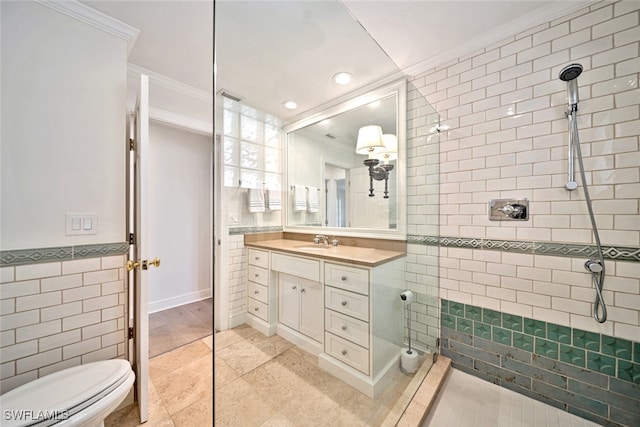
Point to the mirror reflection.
(342, 170)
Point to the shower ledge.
(421, 393)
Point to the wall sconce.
(372, 142)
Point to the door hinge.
(132, 144)
(132, 239)
(130, 333)
(438, 342)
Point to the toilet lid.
(62, 393)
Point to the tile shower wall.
(60, 314)
(504, 135)
(546, 361)
(237, 283)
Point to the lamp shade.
(390, 151)
(370, 140)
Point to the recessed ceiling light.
(291, 105)
(342, 78)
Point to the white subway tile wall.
(60, 314)
(504, 134)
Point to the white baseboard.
(179, 300)
(299, 339)
(356, 379)
(237, 320)
(261, 326)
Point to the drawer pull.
(302, 290)
(257, 258)
(257, 275)
(344, 327)
(256, 309)
(344, 352)
(294, 287)
(344, 303)
(344, 278)
(256, 292)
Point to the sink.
(313, 247)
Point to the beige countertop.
(369, 257)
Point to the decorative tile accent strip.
(246, 230)
(591, 375)
(539, 248)
(62, 253)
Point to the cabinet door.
(288, 300)
(311, 309)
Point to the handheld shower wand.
(570, 75)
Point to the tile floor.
(259, 381)
(175, 327)
(180, 389)
(267, 381)
(465, 400)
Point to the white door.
(311, 309)
(289, 300)
(139, 258)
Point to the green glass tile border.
(61, 253)
(234, 231)
(619, 253)
(616, 357)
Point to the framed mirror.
(345, 168)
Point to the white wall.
(180, 217)
(63, 150)
(63, 128)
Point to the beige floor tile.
(223, 374)
(231, 336)
(186, 385)
(166, 363)
(208, 341)
(239, 404)
(128, 417)
(252, 352)
(198, 414)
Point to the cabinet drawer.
(344, 277)
(347, 327)
(258, 309)
(259, 292)
(347, 352)
(258, 258)
(348, 303)
(259, 275)
(296, 266)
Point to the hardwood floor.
(175, 327)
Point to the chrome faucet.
(316, 240)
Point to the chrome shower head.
(569, 74)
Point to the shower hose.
(599, 307)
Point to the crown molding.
(96, 19)
(169, 83)
(549, 13)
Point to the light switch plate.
(81, 223)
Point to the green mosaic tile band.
(247, 230)
(616, 253)
(616, 357)
(62, 253)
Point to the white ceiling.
(271, 51)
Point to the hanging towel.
(312, 205)
(299, 198)
(274, 200)
(255, 196)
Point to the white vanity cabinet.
(349, 314)
(301, 305)
(260, 292)
(363, 323)
(300, 300)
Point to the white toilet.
(80, 396)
